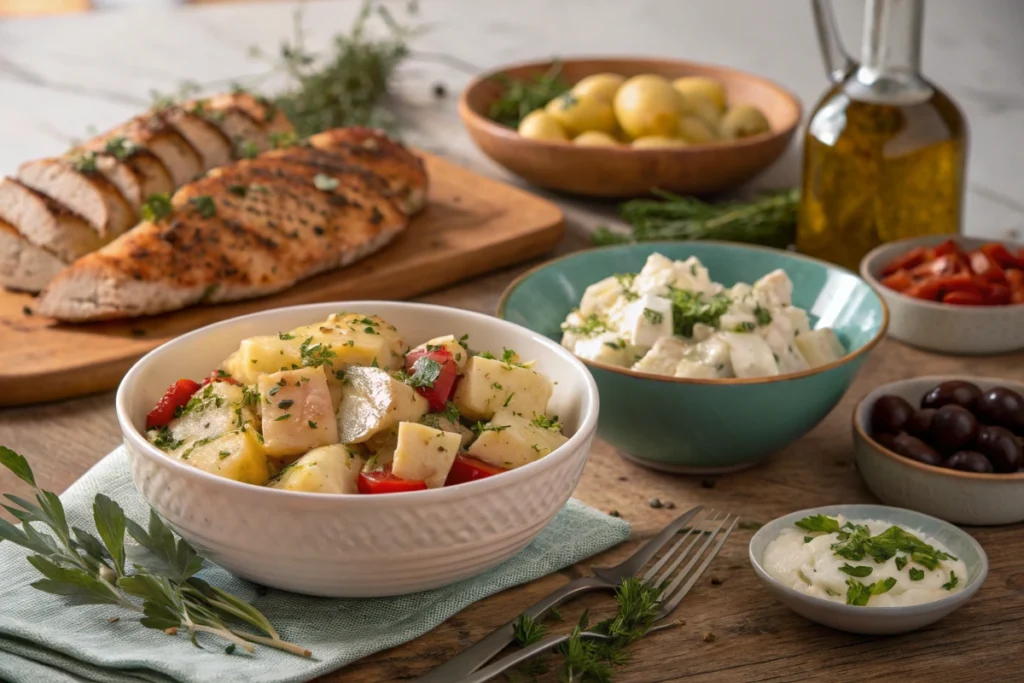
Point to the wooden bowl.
(624, 171)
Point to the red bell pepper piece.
(899, 281)
(997, 295)
(948, 248)
(1000, 254)
(983, 265)
(383, 481)
(466, 469)
(176, 396)
(436, 388)
(929, 290)
(963, 298)
(911, 259)
(1015, 281)
(941, 266)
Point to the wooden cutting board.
(471, 225)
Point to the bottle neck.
(891, 51)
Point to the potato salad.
(344, 406)
(671, 319)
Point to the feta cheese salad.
(670, 319)
(344, 406)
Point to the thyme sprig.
(162, 587)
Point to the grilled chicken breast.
(24, 266)
(252, 228)
(214, 147)
(46, 223)
(155, 132)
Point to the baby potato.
(581, 113)
(601, 86)
(701, 88)
(742, 121)
(647, 105)
(539, 125)
(703, 109)
(595, 138)
(695, 130)
(652, 141)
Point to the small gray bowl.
(957, 330)
(875, 620)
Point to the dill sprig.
(520, 97)
(769, 220)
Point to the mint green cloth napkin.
(43, 640)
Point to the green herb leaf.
(952, 583)
(860, 571)
(916, 574)
(762, 315)
(110, 524)
(157, 207)
(204, 205)
(520, 97)
(901, 562)
(325, 183)
(315, 355)
(18, 465)
(426, 370)
(823, 523)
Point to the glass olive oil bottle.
(885, 149)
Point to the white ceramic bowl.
(352, 545)
(969, 330)
(958, 497)
(875, 620)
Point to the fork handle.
(475, 656)
(506, 663)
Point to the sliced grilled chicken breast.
(246, 230)
(251, 124)
(214, 147)
(46, 223)
(152, 175)
(375, 151)
(24, 266)
(154, 132)
(83, 190)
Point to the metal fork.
(604, 578)
(675, 587)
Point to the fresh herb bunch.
(520, 97)
(592, 661)
(87, 570)
(348, 85)
(769, 220)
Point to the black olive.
(915, 449)
(1002, 407)
(954, 392)
(1001, 447)
(968, 461)
(889, 414)
(920, 422)
(886, 440)
(953, 427)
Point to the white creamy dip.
(807, 561)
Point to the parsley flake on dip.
(870, 563)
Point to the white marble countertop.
(62, 78)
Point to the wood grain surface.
(733, 631)
(471, 225)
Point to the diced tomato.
(176, 396)
(900, 281)
(440, 389)
(1015, 280)
(947, 248)
(911, 259)
(384, 481)
(466, 469)
(942, 266)
(216, 376)
(963, 298)
(1000, 254)
(929, 290)
(986, 267)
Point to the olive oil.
(885, 149)
(875, 173)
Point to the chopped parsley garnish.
(858, 594)
(545, 422)
(590, 326)
(121, 147)
(238, 190)
(84, 162)
(287, 139)
(157, 207)
(282, 417)
(248, 150)
(339, 374)
(626, 283)
(762, 315)
(224, 454)
(285, 404)
(451, 413)
(197, 444)
(746, 326)
(617, 345)
(250, 396)
(508, 399)
(464, 339)
(480, 428)
(653, 317)
(312, 425)
(808, 539)
(819, 523)
(204, 206)
(200, 401)
(953, 581)
(690, 308)
(486, 354)
(425, 372)
(901, 562)
(314, 355)
(859, 571)
(508, 357)
(284, 336)
(495, 385)
(325, 183)
(916, 574)
(165, 441)
(273, 390)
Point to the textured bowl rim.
(869, 260)
(862, 432)
(973, 584)
(588, 419)
(495, 129)
(870, 344)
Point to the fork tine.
(674, 593)
(635, 562)
(693, 532)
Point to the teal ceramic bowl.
(700, 426)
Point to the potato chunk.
(490, 384)
(258, 355)
(214, 410)
(449, 343)
(237, 455)
(297, 411)
(424, 454)
(328, 469)
(820, 347)
(373, 401)
(512, 440)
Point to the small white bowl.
(352, 545)
(968, 330)
(875, 620)
(952, 495)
